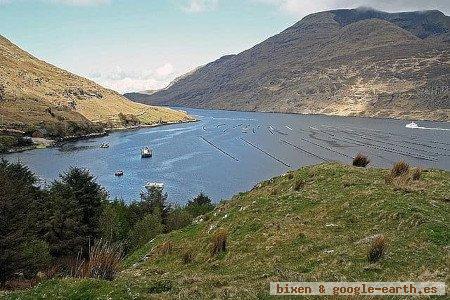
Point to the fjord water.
(228, 152)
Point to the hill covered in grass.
(357, 62)
(314, 224)
(43, 100)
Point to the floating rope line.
(306, 151)
(204, 128)
(327, 148)
(355, 143)
(270, 129)
(402, 135)
(265, 152)
(227, 154)
(390, 136)
(278, 131)
(393, 144)
(418, 156)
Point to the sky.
(136, 45)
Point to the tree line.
(43, 227)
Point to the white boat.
(154, 185)
(146, 152)
(412, 125)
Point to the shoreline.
(310, 114)
(43, 143)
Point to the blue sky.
(135, 45)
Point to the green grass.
(278, 233)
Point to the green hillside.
(316, 223)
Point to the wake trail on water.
(429, 128)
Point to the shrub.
(187, 256)
(144, 230)
(219, 241)
(416, 173)
(298, 184)
(377, 249)
(104, 260)
(164, 248)
(200, 205)
(360, 160)
(178, 218)
(7, 142)
(399, 168)
(160, 287)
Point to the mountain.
(357, 62)
(313, 224)
(43, 100)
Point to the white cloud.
(302, 8)
(68, 2)
(82, 2)
(164, 70)
(123, 82)
(197, 6)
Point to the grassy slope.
(29, 88)
(278, 234)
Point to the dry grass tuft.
(104, 260)
(219, 241)
(361, 160)
(187, 256)
(299, 184)
(400, 168)
(416, 173)
(377, 249)
(164, 248)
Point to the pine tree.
(21, 251)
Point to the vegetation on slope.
(71, 228)
(357, 62)
(316, 223)
(42, 100)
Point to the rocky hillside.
(313, 224)
(342, 62)
(41, 99)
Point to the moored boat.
(118, 173)
(146, 152)
(104, 145)
(154, 185)
(412, 125)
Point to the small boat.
(104, 145)
(119, 173)
(412, 125)
(154, 185)
(146, 152)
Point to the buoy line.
(227, 154)
(418, 156)
(355, 143)
(327, 148)
(265, 152)
(306, 151)
(396, 145)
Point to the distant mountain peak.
(342, 62)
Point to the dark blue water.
(253, 147)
